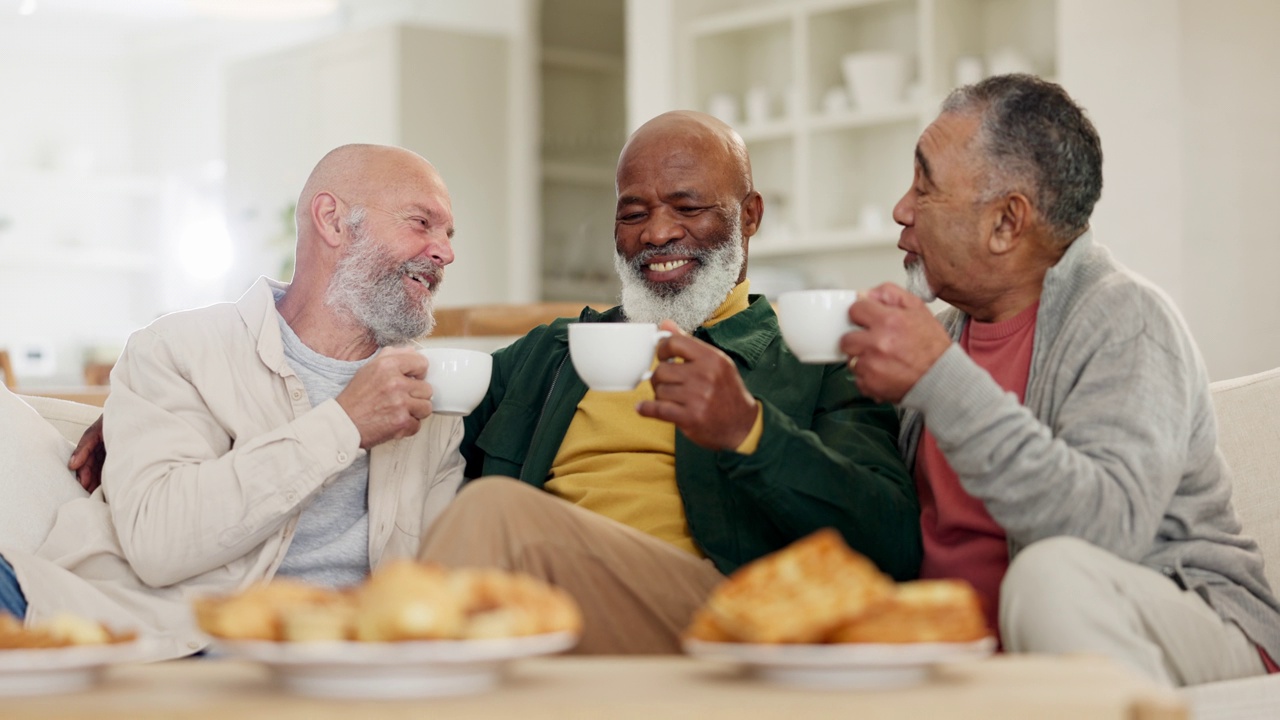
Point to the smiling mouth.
(667, 266)
(427, 281)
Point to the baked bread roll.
(401, 600)
(799, 594)
(64, 630)
(258, 612)
(405, 600)
(502, 604)
(920, 611)
(704, 627)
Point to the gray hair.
(1038, 141)
(355, 218)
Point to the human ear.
(326, 217)
(752, 213)
(1011, 216)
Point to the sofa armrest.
(68, 417)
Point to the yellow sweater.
(615, 462)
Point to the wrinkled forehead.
(417, 185)
(672, 157)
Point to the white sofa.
(1248, 411)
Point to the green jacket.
(827, 456)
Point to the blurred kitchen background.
(151, 151)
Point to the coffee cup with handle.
(813, 321)
(458, 377)
(613, 357)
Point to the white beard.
(692, 305)
(369, 285)
(917, 283)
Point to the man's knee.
(1043, 587)
(494, 497)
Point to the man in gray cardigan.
(1057, 419)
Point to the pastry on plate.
(920, 611)
(258, 612)
(502, 604)
(800, 593)
(63, 630)
(401, 600)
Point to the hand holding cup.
(814, 321)
(459, 378)
(901, 341)
(613, 357)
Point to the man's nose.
(663, 227)
(904, 212)
(440, 250)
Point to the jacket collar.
(745, 335)
(257, 307)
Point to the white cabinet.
(583, 128)
(830, 96)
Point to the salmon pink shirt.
(961, 540)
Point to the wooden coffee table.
(667, 688)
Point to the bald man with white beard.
(280, 435)
(638, 503)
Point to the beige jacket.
(214, 451)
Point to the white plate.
(844, 665)
(393, 670)
(47, 671)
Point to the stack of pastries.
(402, 600)
(59, 632)
(818, 590)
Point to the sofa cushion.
(1248, 412)
(34, 479)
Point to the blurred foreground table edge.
(1036, 687)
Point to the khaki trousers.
(637, 593)
(1063, 595)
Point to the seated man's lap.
(1064, 595)
(636, 591)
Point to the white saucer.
(841, 666)
(47, 671)
(393, 670)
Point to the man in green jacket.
(637, 503)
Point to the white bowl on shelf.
(877, 79)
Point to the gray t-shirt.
(330, 545)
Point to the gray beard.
(918, 284)
(368, 285)
(692, 305)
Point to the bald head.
(701, 138)
(363, 174)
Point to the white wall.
(66, 206)
(1231, 171)
(1120, 62)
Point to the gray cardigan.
(1116, 443)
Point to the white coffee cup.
(458, 378)
(813, 322)
(613, 357)
(759, 105)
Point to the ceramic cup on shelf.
(459, 379)
(835, 101)
(724, 107)
(758, 104)
(813, 321)
(613, 357)
(876, 78)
